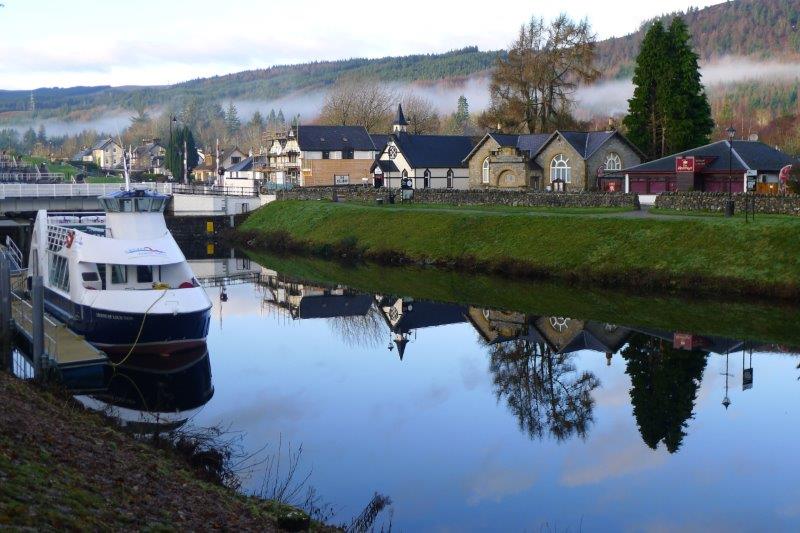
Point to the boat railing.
(76, 218)
(23, 314)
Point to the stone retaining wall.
(707, 201)
(523, 198)
(207, 228)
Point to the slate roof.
(81, 154)
(430, 314)
(244, 165)
(532, 143)
(434, 151)
(747, 155)
(334, 306)
(400, 119)
(387, 165)
(379, 140)
(336, 138)
(102, 143)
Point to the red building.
(715, 167)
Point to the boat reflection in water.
(148, 393)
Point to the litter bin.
(729, 207)
(379, 201)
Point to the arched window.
(404, 178)
(560, 169)
(485, 171)
(613, 162)
(426, 179)
(450, 178)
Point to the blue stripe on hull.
(111, 327)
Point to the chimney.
(611, 126)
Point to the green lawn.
(104, 179)
(717, 251)
(65, 168)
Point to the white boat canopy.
(94, 249)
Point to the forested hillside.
(756, 29)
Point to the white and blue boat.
(118, 277)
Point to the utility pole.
(185, 170)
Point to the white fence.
(58, 190)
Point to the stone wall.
(524, 198)
(709, 201)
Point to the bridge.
(187, 200)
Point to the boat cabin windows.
(119, 274)
(59, 272)
(135, 204)
(144, 274)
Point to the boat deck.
(62, 345)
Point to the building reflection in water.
(531, 357)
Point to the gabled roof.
(102, 143)
(379, 140)
(244, 165)
(228, 152)
(330, 306)
(746, 155)
(434, 151)
(336, 138)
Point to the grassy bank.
(64, 468)
(708, 255)
(752, 320)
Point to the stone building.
(562, 161)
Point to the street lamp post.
(731, 131)
(172, 120)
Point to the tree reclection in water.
(543, 389)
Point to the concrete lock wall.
(522, 198)
(705, 201)
(202, 227)
(200, 204)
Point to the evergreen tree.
(175, 149)
(29, 139)
(272, 119)
(644, 121)
(688, 121)
(462, 114)
(669, 111)
(257, 121)
(279, 119)
(42, 135)
(664, 384)
(232, 121)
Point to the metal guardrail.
(55, 190)
(31, 177)
(213, 190)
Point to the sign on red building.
(684, 164)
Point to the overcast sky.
(46, 43)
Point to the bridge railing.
(54, 190)
(214, 190)
(30, 177)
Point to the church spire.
(400, 124)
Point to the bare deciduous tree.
(421, 115)
(532, 88)
(358, 102)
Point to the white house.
(422, 161)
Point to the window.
(59, 272)
(450, 178)
(101, 269)
(613, 162)
(426, 179)
(326, 154)
(90, 276)
(119, 274)
(347, 153)
(235, 159)
(485, 171)
(560, 169)
(144, 274)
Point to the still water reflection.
(476, 418)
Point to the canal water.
(488, 405)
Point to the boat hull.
(117, 332)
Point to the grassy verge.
(64, 468)
(65, 168)
(700, 255)
(753, 320)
